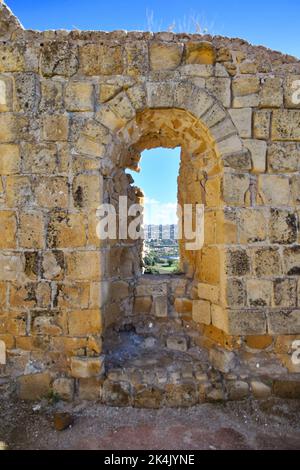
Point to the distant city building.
(160, 232)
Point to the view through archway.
(158, 180)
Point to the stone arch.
(142, 117)
(117, 113)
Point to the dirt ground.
(272, 424)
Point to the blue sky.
(158, 180)
(274, 24)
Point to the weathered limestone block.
(2, 352)
(271, 93)
(72, 295)
(51, 95)
(148, 287)
(286, 388)
(27, 95)
(86, 367)
(221, 89)
(258, 149)
(286, 125)
(142, 304)
(260, 390)
(248, 67)
(66, 230)
(165, 56)
(56, 128)
(222, 360)
(201, 52)
(58, 58)
(245, 92)
(109, 119)
(283, 226)
(235, 292)
(87, 191)
(52, 192)
(267, 262)
(8, 224)
(53, 265)
(8, 128)
(68, 346)
(119, 290)
(84, 322)
(222, 130)
(183, 305)
(13, 323)
(291, 258)
(284, 157)
(43, 294)
(177, 343)
(12, 57)
(201, 312)
(197, 71)
(79, 96)
(239, 161)
(210, 265)
(6, 94)
(136, 56)
(137, 96)
(31, 230)
(9, 159)
(261, 124)
(22, 296)
(253, 226)
(259, 292)
(209, 292)
(161, 306)
(160, 94)
(237, 390)
(214, 115)
(39, 158)
(251, 322)
(195, 99)
(283, 321)
(220, 71)
(242, 119)
(34, 386)
(47, 323)
(18, 191)
(213, 192)
(295, 187)
(90, 388)
(237, 262)
(291, 93)
(122, 106)
(101, 59)
(83, 265)
(285, 293)
(92, 139)
(32, 264)
(230, 145)
(3, 289)
(274, 190)
(116, 393)
(235, 187)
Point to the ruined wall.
(76, 110)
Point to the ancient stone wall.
(76, 110)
